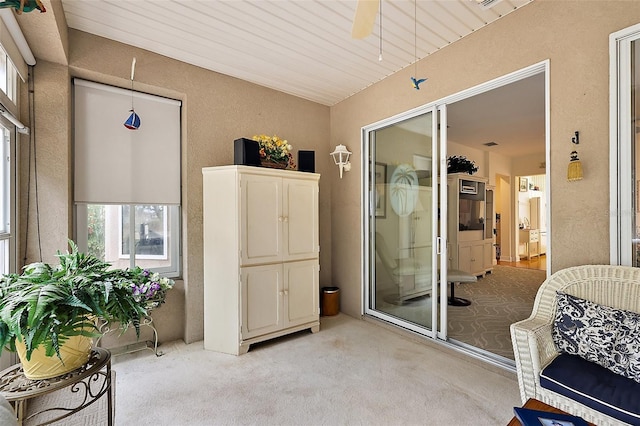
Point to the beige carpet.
(352, 372)
(497, 300)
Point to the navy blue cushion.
(594, 386)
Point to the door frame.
(368, 211)
(440, 106)
(620, 146)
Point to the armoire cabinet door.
(464, 258)
(477, 258)
(279, 296)
(300, 227)
(261, 219)
(261, 298)
(301, 292)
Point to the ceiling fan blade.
(364, 18)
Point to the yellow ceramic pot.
(74, 353)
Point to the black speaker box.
(307, 161)
(246, 152)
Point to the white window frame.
(620, 146)
(89, 191)
(8, 194)
(173, 250)
(8, 88)
(132, 230)
(9, 199)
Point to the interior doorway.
(504, 131)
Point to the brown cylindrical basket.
(273, 164)
(330, 301)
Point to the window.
(8, 196)
(148, 226)
(113, 232)
(127, 182)
(8, 173)
(8, 76)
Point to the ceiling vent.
(487, 4)
(490, 144)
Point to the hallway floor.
(536, 262)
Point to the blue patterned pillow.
(601, 334)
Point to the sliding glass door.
(402, 225)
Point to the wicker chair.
(533, 347)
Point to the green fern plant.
(460, 164)
(46, 305)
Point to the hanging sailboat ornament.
(133, 122)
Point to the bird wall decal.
(24, 5)
(416, 83)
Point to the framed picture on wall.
(524, 184)
(381, 190)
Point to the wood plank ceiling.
(300, 47)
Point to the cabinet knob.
(286, 218)
(279, 218)
(286, 292)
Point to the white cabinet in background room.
(261, 255)
(471, 257)
(531, 240)
(469, 233)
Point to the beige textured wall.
(48, 222)
(574, 36)
(216, 110)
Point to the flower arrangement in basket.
(274, 152)
(148, 289)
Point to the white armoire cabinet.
(470, 246)
(261, 255)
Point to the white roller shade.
(116, 165)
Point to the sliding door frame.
(439, 108)
(620, 146)
(368, 211)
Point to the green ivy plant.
(46, 305)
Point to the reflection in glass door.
(402, 223)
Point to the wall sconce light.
(341, 158)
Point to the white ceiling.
(300, 47)
(304, 48)
(512, 116)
